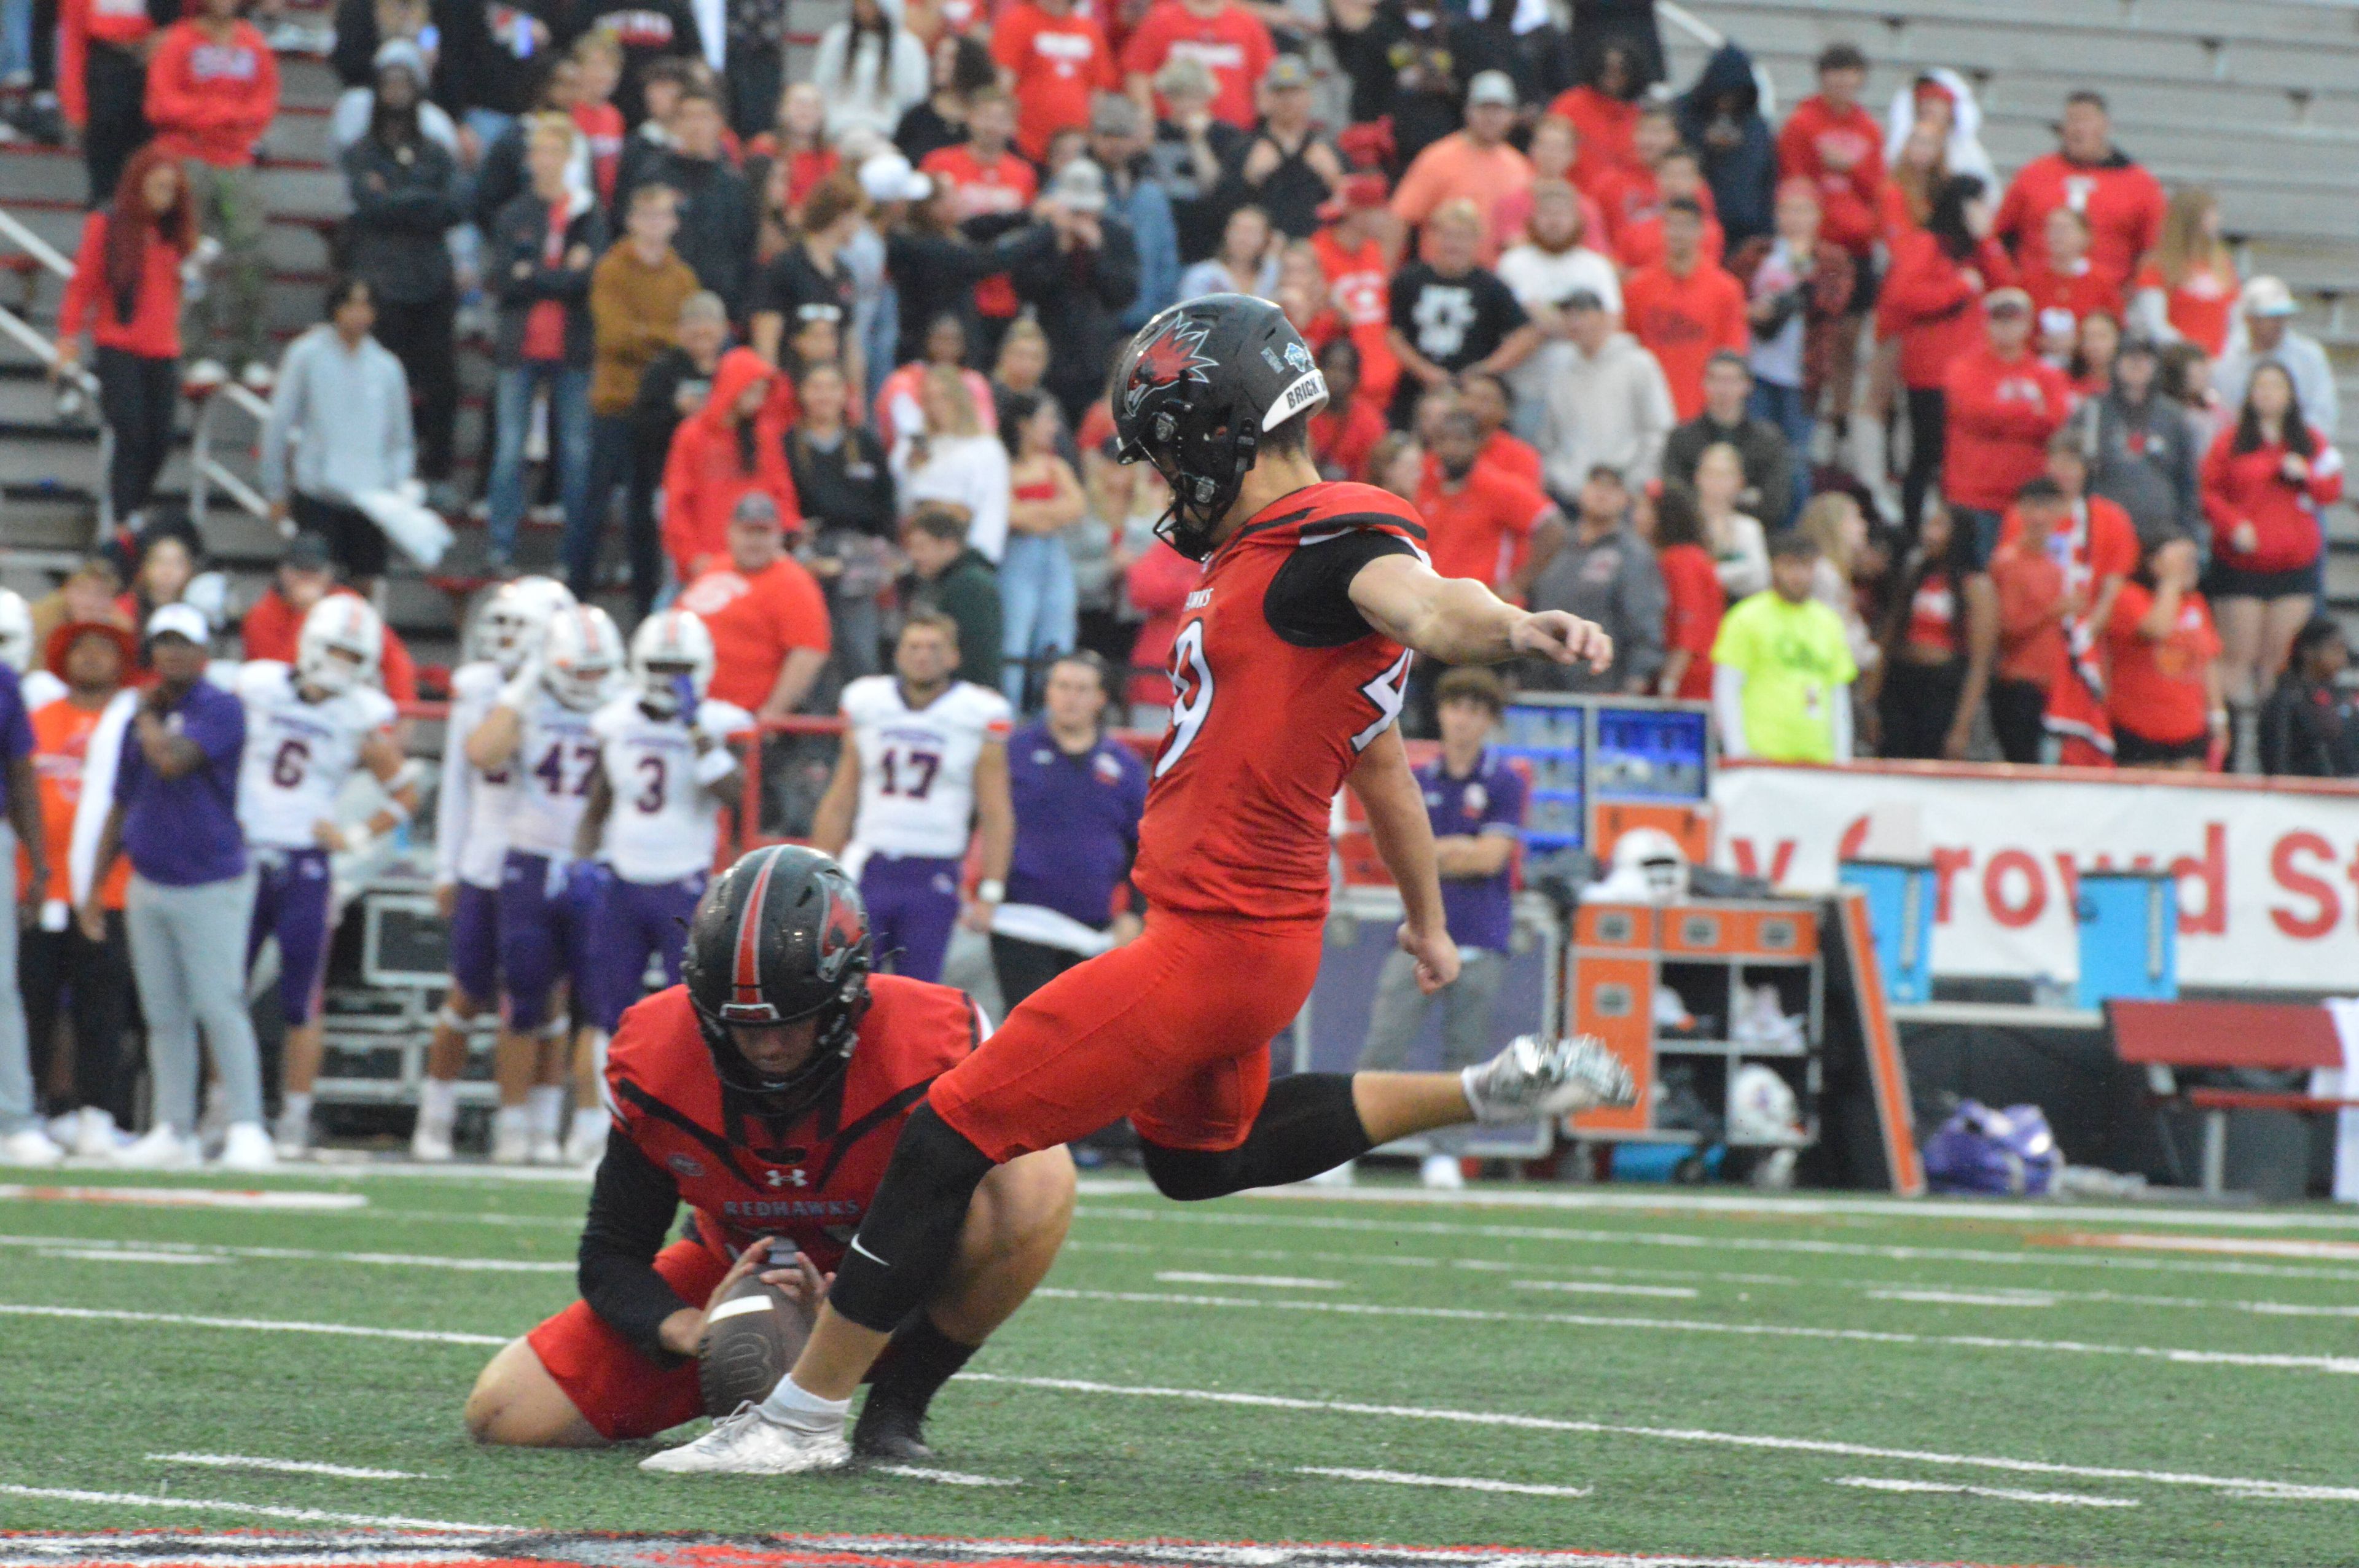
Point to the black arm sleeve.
(1310, 603)
(631, 1206)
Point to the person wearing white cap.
(22, 1140)
(191, 895)
(2264, 334)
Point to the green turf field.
(1667, 1379)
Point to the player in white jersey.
(654, 825)
(538, 726)
(924, 761)
(307, 726)
(471, 847)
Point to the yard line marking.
(2241, 1246)
(1281, 1282)
(1685, 1241)
(1675, 1434)
(256, 1325)
(102, 1254)
(262, 1511)
(181, 1197)
(1605, 1288)
(102, 1250)
(2341, 1365)
(291, 1466)
(1932, 1297)
(946, 1477)
(1462, 1483)
(2005, 1493)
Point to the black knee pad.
(911, 1232)
(1191, 1176)
(1308, 1124)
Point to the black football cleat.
(891, 1431)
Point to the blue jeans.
(15, 41)
(1036, 605)
(613, 445)
(569, 420)
(1785, 408)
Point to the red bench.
(2165, 1037)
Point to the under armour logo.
(778, 1178)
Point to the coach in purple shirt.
(1078, 797)
(191, 895)
(1475, 802)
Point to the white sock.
(438, 1105)
(295, 1107)
(512, 1121)
(587, 1122)
(546, 1105)
(789, 1406)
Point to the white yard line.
(99, 1251)
(1500, 1419)
(254, 1325)
(260, 1510)
(1928, 1296)
(105, 1254)
(2233, 1246)
(290, 1466)
(1459, 1482)
(944, 1478)
(181, 1197)
(1606, 1288)
(2004, 1494)
(1276, 1282)
(2341, 1365)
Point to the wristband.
(991, 890)
(357, 838)
(715, 765)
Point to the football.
(751, 1338)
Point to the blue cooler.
(2130, 937)
(1900, 917)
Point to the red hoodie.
(2121, 201)
(2000, 414)
(154, 330)
(1605, 134)
(1848, 197)
(272, 630)
(2251, 487)
(704, 477)
(211, 100)
(124, 24)
(1932, 308)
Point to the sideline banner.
(2268, 878)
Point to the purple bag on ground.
(2009, 1153)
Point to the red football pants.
(1172, 1031)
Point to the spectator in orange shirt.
(2165, 698)
(1230, 41)
(1474, 164)
(2186, 286)
(766, 614)
(1685, 309)
(1482, 522)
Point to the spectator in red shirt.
(1931, 305)
(273, 626)
(1353, 255)
(212, 90)
(2001, 403)
(984, 177)
(1693, 598)
(766, 614)
(733, 445)
(597, 72)
(1939, 643)
(1685, 309)
(1836, 143)
(1485, 397)
(1480, 520)
(2164, 698)
(1678, 176)
(1604, 116)
(2266, 480)
(2121, 200)
(130, 258)
(1053, 58)
(1157, 585)
(1233, 43)
(1346, 430)
(101, 72)
(2030, 571)
(2064, 279)
(2186, 287)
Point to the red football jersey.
(1268, 722)
(809, 1182)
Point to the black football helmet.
(780, 937)
(1194, 394)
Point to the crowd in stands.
(1829, 423)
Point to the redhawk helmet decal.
(1172, 357)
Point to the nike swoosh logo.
(867, 1254)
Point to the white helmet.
(580, 657)
(1650, 865)
(1761, 1107)
(15, 631)
(517, 617)
(669, 644)
(340, 644)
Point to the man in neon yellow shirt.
(1781, 684)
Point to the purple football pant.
(544, 937)
(633, 919)
(290, 902)
(475, 943)
(912, 904)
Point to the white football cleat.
(431, 1145)
(161, 1149)
(1535, 1077)
(94, 1135)
(750, 1444)
(292, 1135)
(511, 1141)
(246, 1147)
(31, 1148)
(585, 1142)
(547, 1150)
(1441, 1172)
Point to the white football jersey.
(662, 825)
(470, 808)
(556, 757)
(297, 753)
(917, 765)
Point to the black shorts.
(1866, 283)
(2135, 750)
(353, 542)
(2225, 581)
